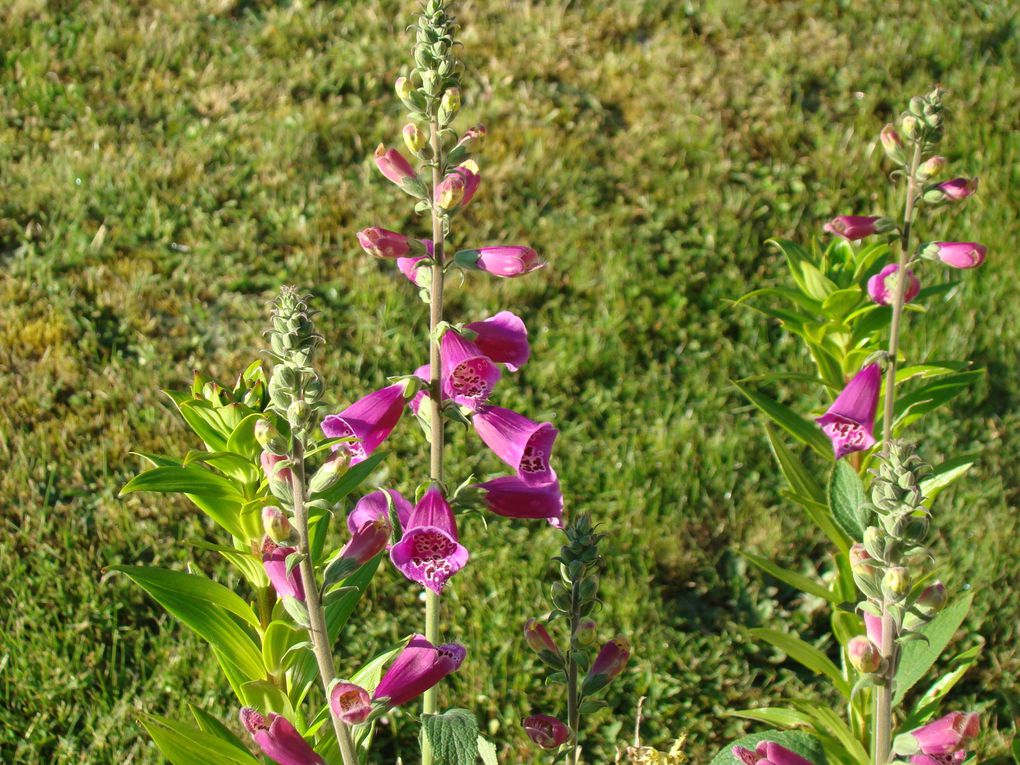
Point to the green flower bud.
(451, 100)
(896, 583)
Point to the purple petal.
(370, 420)
(504, 339)
(468, 375)
(524, 445)
(374, 505)
(511, 497)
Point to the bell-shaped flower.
(768, 753)
(873, 628)
(855, 227)
(506, 261)
(429, 552)
(882, 286)
(609, 663)
(951, 191)
(512, 497)
(850, 421)
(269, 463)
(350, 703)
(524, 445)
(417, 668)
(458, 187)
(373, 506)
(274, 561)
(538, 638)
(395, 167)
(503, 338)
(278, 739)
(943, 736)
(369, 420)
(383, 243)
(546, 731)
(370, 539)
(468, 374)
(956, 254)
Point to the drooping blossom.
(768, 753)
(395, 167)
(523, 444)
(419, 667)
(274, 561)
(948, 734)
(278, 739)
(893, 144)
(370, 539)
(612, 658)
(501, 260)
(350, 703)
(882, 286)
(850, 421)
(546, 731)
(956, 254)
(369, 420)
(855, 227)
(538, 638)
(416, 273)
(373, 506)
(956, 189)
(512, 497)
(468, 374)
(383, 243)
(458, 187)
(430, 552)
(475, 133)
(503, 338)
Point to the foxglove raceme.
(350, 703)
(369, 420)
(524, 445)
(430, 552)
(278, 739)
(768, 753)
(274, 561)
(956, 254)
(512, 497)
(383, 243)
(882, 286)
(850, 421)
(419, 667)
(503, 338)
(373, 506)
(854, 227)
(504, 260)
(546, 731)
(468, 374)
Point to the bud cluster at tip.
(295, 388)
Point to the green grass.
(165, 165)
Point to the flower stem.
(882, 721)
(573, 700)
(316, 616)
(436, 397)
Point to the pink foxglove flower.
(269, 462)
(546, 731)
(413, 269)
(538, 638)
(370, 539)
(864, 655)
(873, 628)
(956, 254)
(511, 497)
(458, 187)
(369, 420)
(383, 243)
(350, 703)
(503, 338)
(768, 753)
(854, 227)
(850, 421)
(524, 445)
(882, 286)
(468, 374)
(278, 739)
(274, 561)
(948, 734)
(430, 552)
(506, 261)
(612, 658)
(955, 190)
(395, 167)
(373, 506)
(419, 667)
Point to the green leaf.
(841, 302)
(918, 656)
(794, 296)
(183, 480)
(278, 638)
(805, 654)
(944, 476)
(930, 397)
(792, 578)
(487, 751)
(846, 496)
(829, 725)
(339, 611)
(829, 367)
(242, 438)
(184, 745)
(209, 724)
(804, 431)
(266, 697)
(351, 480)
(781, 717)
(803, 744)
(205, 607)
(453, 736)
(202, 418)
(928, 705)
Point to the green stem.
(573, 699)
(883, 694)
(436, 397)
(317, 630)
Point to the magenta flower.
(956, 758)
(504, 260)
(373, 506)
(419, 667)
(397, 169)
(524, 445)
(468, 374)
(370, 539)
(503, 338)
(873, 628)
(956, 254)
(546, 731)
(958, 188)
(948, 734)
(458, 187)
(538, 638)
(854, 227)
(512, 497)
(369, 420)
(612, 658)
(850, 421)
(383, 243)
(882, 286)
(278, 739)
(475, 133)
(350, 703)
(768, 753)
(430, 552)
(415, 273)
(274, 561)
(864, 655)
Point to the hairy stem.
(573, 700)
(436, 397)
(883, 694)
(316, 616)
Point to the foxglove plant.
(848, 307)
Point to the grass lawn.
(165, 164)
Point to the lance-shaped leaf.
(846, 498)
(805, 654)
(184, 745)
(798, 581)
(803, 430)
(918, 656)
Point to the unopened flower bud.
(405, 90)
(896, 582)
(269, 438)
(933, 598)
(451, 101)
(587, 632)
(917, 106)
(930, 167)
(414, 138)
(277, 526)
(893, 145)
(331, 471)
(859, 558)
(298, 414)
(874, 542)
(538, 638)
(955, 254)
(864, 655)
(951, 191)
(911, 127)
